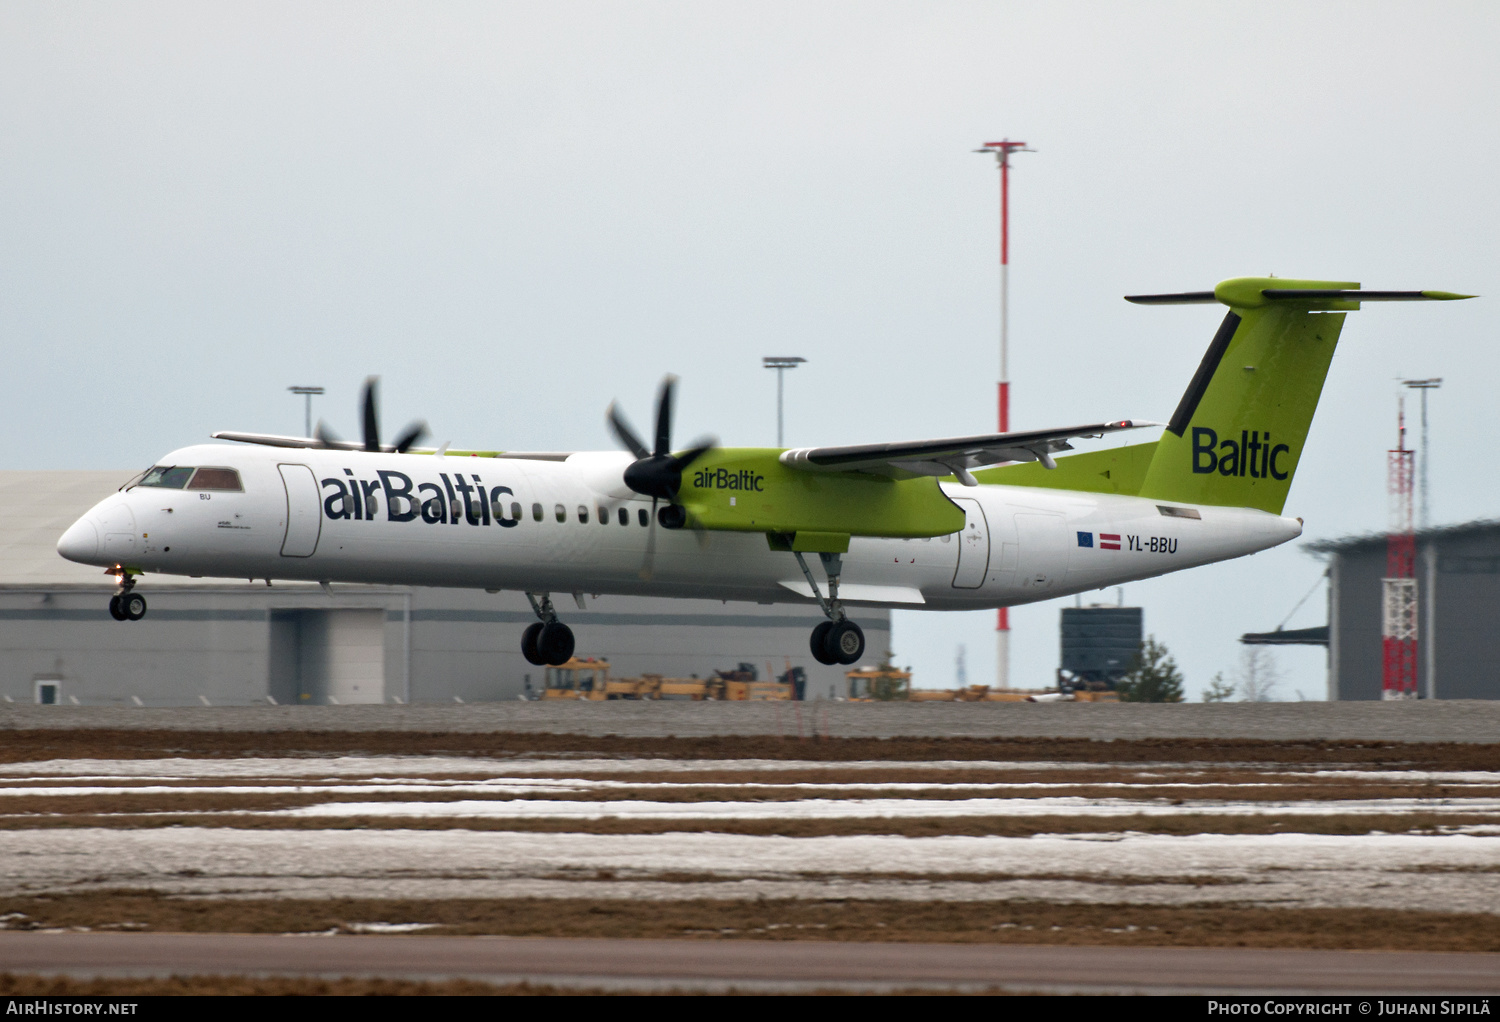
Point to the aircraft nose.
(80, 543)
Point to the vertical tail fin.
(1237, 434)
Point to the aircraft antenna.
(1002, 151)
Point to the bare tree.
(1257, 675)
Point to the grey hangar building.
(1458, 614)
(225, 642)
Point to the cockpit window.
(170, 477)
(216, 479)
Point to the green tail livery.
(1237, 435)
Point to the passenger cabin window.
(515, 511)
(216, 479)
(583, 514)
(604, 516)
(561, 513)
(167, 476)
(624, 516)
(536, 512)
(644, 516)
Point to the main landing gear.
(837, 640)
(127, 605)
(547, 641)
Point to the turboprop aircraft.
(957, 523)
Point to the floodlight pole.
(1425, 517)
(308, 393)
(1002, 151)
(780, 363)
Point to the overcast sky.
(517, 212)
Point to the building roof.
(1372, 540)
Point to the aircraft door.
(1043, 550)
(304, 511)
(973, 546)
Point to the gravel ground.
(1440, 721)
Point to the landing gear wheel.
(819, 643)
(133, 606)
(529, 648)
(114, 609)
(555, 643)
(846, 643)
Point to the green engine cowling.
(746, 489)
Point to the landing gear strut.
(127, 605)
(837, 640)
(547, 641)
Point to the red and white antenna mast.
(1002, 151)
(1398, 630)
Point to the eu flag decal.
(1086, 539)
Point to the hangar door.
(320, 657)
(304, 511)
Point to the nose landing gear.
(127, 605)
(837, 640)
(547, 641)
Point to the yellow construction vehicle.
(584, 678)
(879, 684)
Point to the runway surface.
(709, 965)
(1427, 721)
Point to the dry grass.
(300, 986)
(280, 986)
(793, 919)
(23, 746)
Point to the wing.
(951, 455)
(331, 444)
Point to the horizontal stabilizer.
(1182, 298)
(1283, 294)
(1253, 292)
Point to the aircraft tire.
(819, 643)
(114, 609)
(846, 643)
(555, 643)
(529, 644)
(133, 606)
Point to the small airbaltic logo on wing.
(1107, 540)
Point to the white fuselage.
(1019, 544)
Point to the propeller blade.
(371, 422)
(700, 447)
(624, 433)
(648, 567)
(416, 431)
(664, 416)
(327, 438)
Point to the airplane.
(955, 523)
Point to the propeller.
(657, 472)
(371, 427)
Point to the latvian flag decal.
(1107, 540)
